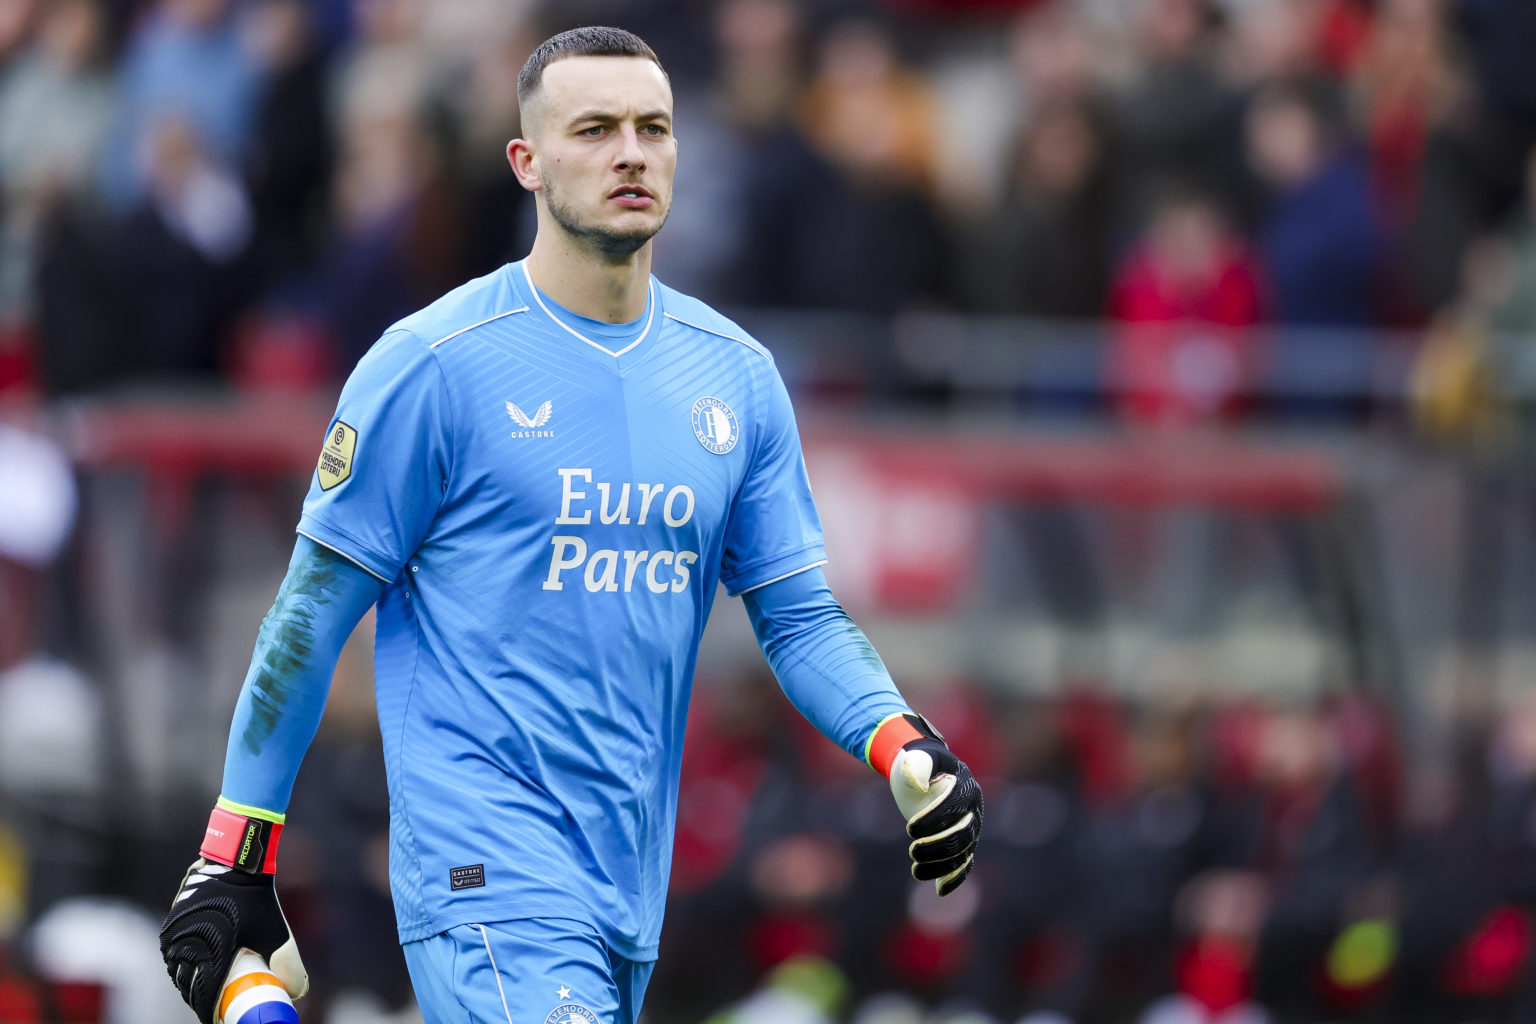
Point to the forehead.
(616, 85)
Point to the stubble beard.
(613, 244)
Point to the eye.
(654, 130)
(592, 132)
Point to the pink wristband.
(246, 844)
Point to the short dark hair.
(588, 41)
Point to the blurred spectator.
(55, 106)
(748, 193)
(38, 505)
(745, 156)
(1030, 866)
(1514, 309)
(1466, 879)
(1186, 299)
(806, 990)
(1270, 40)
(867, 238)
(15, 24)
(52, 725)
(1317, 848)
(393, 244)
(865, 110)
(387, 70)
(1054, 58)
(186, 61)
(82, 345)
(1176, 119)
(1317, 234)
(1049, 62)
(1500, 36)
(459, 32)
(1405, 83)
(1043, 252)
(290, 155)
(494, 213)
(1433, 175)
(181, 256)
(1483, 335)
(393, 231)
(114, 950)
(1137, 846)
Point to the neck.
(610, 288)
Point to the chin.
(620, 243)
(607, 235)
(627, 245)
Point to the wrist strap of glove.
(238, 838)
(892, 734)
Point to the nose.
(630, 157)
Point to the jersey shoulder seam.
(748, 342)
(453, 423)
(430, 353)
(482, 323)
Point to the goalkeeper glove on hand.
(936, 793)
(227, 902)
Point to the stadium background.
(1165, 370)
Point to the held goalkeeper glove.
(227, 902)
(935, 792)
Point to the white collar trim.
(650, 315)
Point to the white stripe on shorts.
(496, 971)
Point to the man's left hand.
(938, 796)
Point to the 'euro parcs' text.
(609, 569)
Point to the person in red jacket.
(1186, 300)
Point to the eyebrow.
(595, 114)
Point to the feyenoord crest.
(571, 1013)
(715, 425)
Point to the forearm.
(822, 659)
(320, 602)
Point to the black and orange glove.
(228, 902)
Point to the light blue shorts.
(541, 971)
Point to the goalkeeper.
(542, 580)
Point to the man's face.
(604, 149)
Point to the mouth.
(632, 197)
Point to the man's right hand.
(227, 902)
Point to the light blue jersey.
(551, 504)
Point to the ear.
(525, 164)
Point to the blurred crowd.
(1185, 858)
(252, 189)
(244, 193)
(1176, 860)
(1181, 859)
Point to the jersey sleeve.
(824, 663)
(321, 600)
(386, 459)
(773, 530)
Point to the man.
(539, 479)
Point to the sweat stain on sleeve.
(286, 643)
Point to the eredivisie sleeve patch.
(336, 457)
